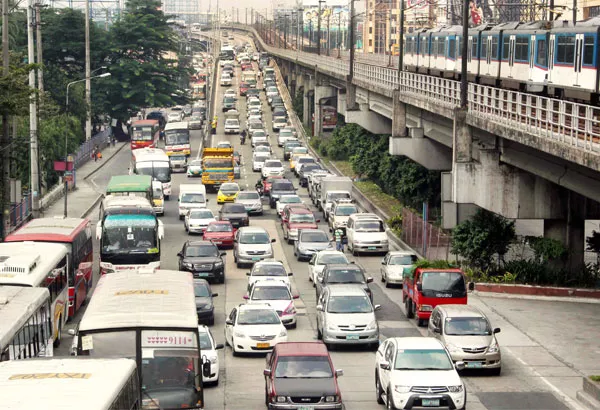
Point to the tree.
(481, 238)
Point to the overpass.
(520, 155)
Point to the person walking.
(339, 237)
(95, 153)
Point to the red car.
(295, 219)
(284, 214)
(220, 232)
(301, 371)
(243, 88)
(246, 66)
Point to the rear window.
(283, 186)
(234, 209)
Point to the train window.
(442, 46)
(588, 50)
(494, 51)
(424, 45)
(484, 48)
(474, 48)
(459, 51)
(565, 49)
(452, 48)
(505, 47)
(522, 49)
(541, 57)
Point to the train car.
(424, 59)
(443, 50)
(474, 45)
(412, 47)
(491, 52)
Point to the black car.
(228, 104)
(280, 112)
(280, 187)
(305, 170)
(252, 92)
(157, 115)
(203, 259)
(236, 214)
(276, 101)
(204, 302)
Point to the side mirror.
(353, 262)
(267, 372)
(383, 261)
(497, 330)
(419, 287)
(273, 240)
(318, 220)
(219, 346)
(229, 322)
(471, 286)
(180, 254)
(369, 280)
(246, 297)
(161, 230)
(99, 230)
(207, 200)
(384, 365)
(320, 308)
(71, 332)
(214, 295)
(437, 330)
(290, 274)
(377, 307)
(460, 366)
(248, 273)
(339, 372)
(296, 296)
(223, 253)
(206, 368)
(320, 279)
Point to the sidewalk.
(84, 198)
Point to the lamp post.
(66, 134)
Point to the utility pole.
(33, 143)
(285, 30)
(464, 48)
(351, 41)
(574, 12)
(5, 142)
(88, 82)
(319, 28)
(401, 42)
(328, 34)
(38, 36)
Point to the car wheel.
(221, 279)
(239, 265)
(390, 401)
(496, 372)
(319, 334)
(409, 311)
(233, 351)
(211, 321)
(378, 390)
(294, 325)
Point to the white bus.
(25, 323)
(40, 265)
(149, 315)
(154, 162)
(177, 138)
(70, 384)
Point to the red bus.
(76, 233)
(144, 133)
(329, 115)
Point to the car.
(294, 157)
(251, 244)
(244, 89)
(255, 126)
(253, 103)
(252, 92)
(254, 111)
(311, 241)
(195, 121)
(393, 265)
(187, 110)
(234, 213)
(304, 159)
(268, 269)
(220, 233)
(203, 259)
(194, 168)
(271, 91)
(289, 208)
(366, 233)
(279, 122)
(323, 258)
(230, 93)
(237, 157)
(272, 167)
(229, 103)
(278, 295)
(224, 144)
(157, 115)
(413, 372)
(277, 101)
(345, 315)
(232, 126)
(294, 220)
(262, 146)
(209, 348)
(348, 274)
(468, 336)
(228, 71)
(258, 136)
(279, 188)
(204, 302)
(280, 112)
(284, 200)
(288, 146)
(227, 192)
(254, 117)
(258, 160)
(251, 201)
(254, 328)
(178, 163)
(305, 169)
(174, 116)
(284, 136)
(263, 186)
(340, 213)
(298, 372)
(196, 220)
(225, 79)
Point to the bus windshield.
(142, 133)
(160, 171)
(177, 137)
(218, 163)
(129, 233)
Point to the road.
(532, 378)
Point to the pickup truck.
(343, 274)
(426, 287)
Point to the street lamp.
(66, 134)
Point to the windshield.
(232, 188)
(160, 171)
(297, 367)
(200, 251)
(369, 226)
(254, 238)
(157, 193)
(467, 326)
(302, 218)
(349, 304)
(201, 214)
(262, 148)
(248, 195)
(273, 164)
(402, 260)
(271, 89)
(258, 317)
(314, 237)
(219, 228)
(422, 360)
(233, 209)
(229, 100)
(268, 270)
(283, 187)
(346, 210)
(286, 133)
(291, 146)
(337, 195)
(196, 118)
(124, 233)
(235, 123)
(290, 199)
(271, 293)
(259, 134)
(142, 133)
(205, 342)
(201, 290)
(444, 282)
(256, 125)
(346, 276)
(177, 137)
(192, 198)
(218, 163)
(331, 258)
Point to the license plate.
(352, 337)
(306, 408)
(430, 402)
(256, 258)
(202, 274)
(217, 242)
(474, 365)
(263, 345)
(372, 248)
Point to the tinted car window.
(195, 251)
(233, 208)
(346, 276)
(282, 186)
(303, 367)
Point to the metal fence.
(20, 212)
(425, 238)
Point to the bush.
(395, 224)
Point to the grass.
(595, 378)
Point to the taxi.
(194, 168)
(294, 160)
(228, 192)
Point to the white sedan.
(174, 116)
(230, 93)
(268, 269)
(279, 296)
(287, 199)
(272, 167)
(197, 220)
(209, 350)
(321, 259)
(254, 328)
(393, 265)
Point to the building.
(182, 10)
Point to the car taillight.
(290, 310)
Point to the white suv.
(417, 372)
(278, 295)
(250, 245)
(366, 233)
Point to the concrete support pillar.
(306, 113)
(462, 137)
(350, 95)
(398, 116)
(321, 93)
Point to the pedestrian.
(113, 140)
(339, 236)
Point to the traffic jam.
(274, 273)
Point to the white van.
(258, 160)
(191, 196)
(366, 233)
(158, 197)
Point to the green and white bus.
(130, 185)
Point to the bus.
(130, 185)
(329, 116)
(25, 323)
(145, 133)
(76, 233)
(40, 265)
(153, 162)
(177, 138)
(69, 384)
(148, 315)
(199, 91)
(129, 233)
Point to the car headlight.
(493, 348)
(332, 327)
(372, 325)
(239, 334)
(218, 263)
(425, 308)
(453, 349)
(258, 205)
(293, 232)
(281, 399)
(455, 389)
(283, 333)
(384, 240)
(331, 399)
(213, 359)
(188, 265)
(401, 389)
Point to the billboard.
(336, 16)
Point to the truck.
(217, 167)
(427, 285)
(333, 188)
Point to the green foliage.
(546, 249)
(298, 104)
(14, 88)
(593, 242)
(595, 378)
(480, 239)
(434, 264)
(395, 224)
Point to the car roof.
(402, 253)
(345, 290)
(365, 215)
(313, 230)
(199, 242)
(461, 311)
(409, 343)
(301, 349)
(271, 283)
(335, 266)
(269, 261)
(255, 306)
(252, 229)
(299, 210)
(201, 282)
